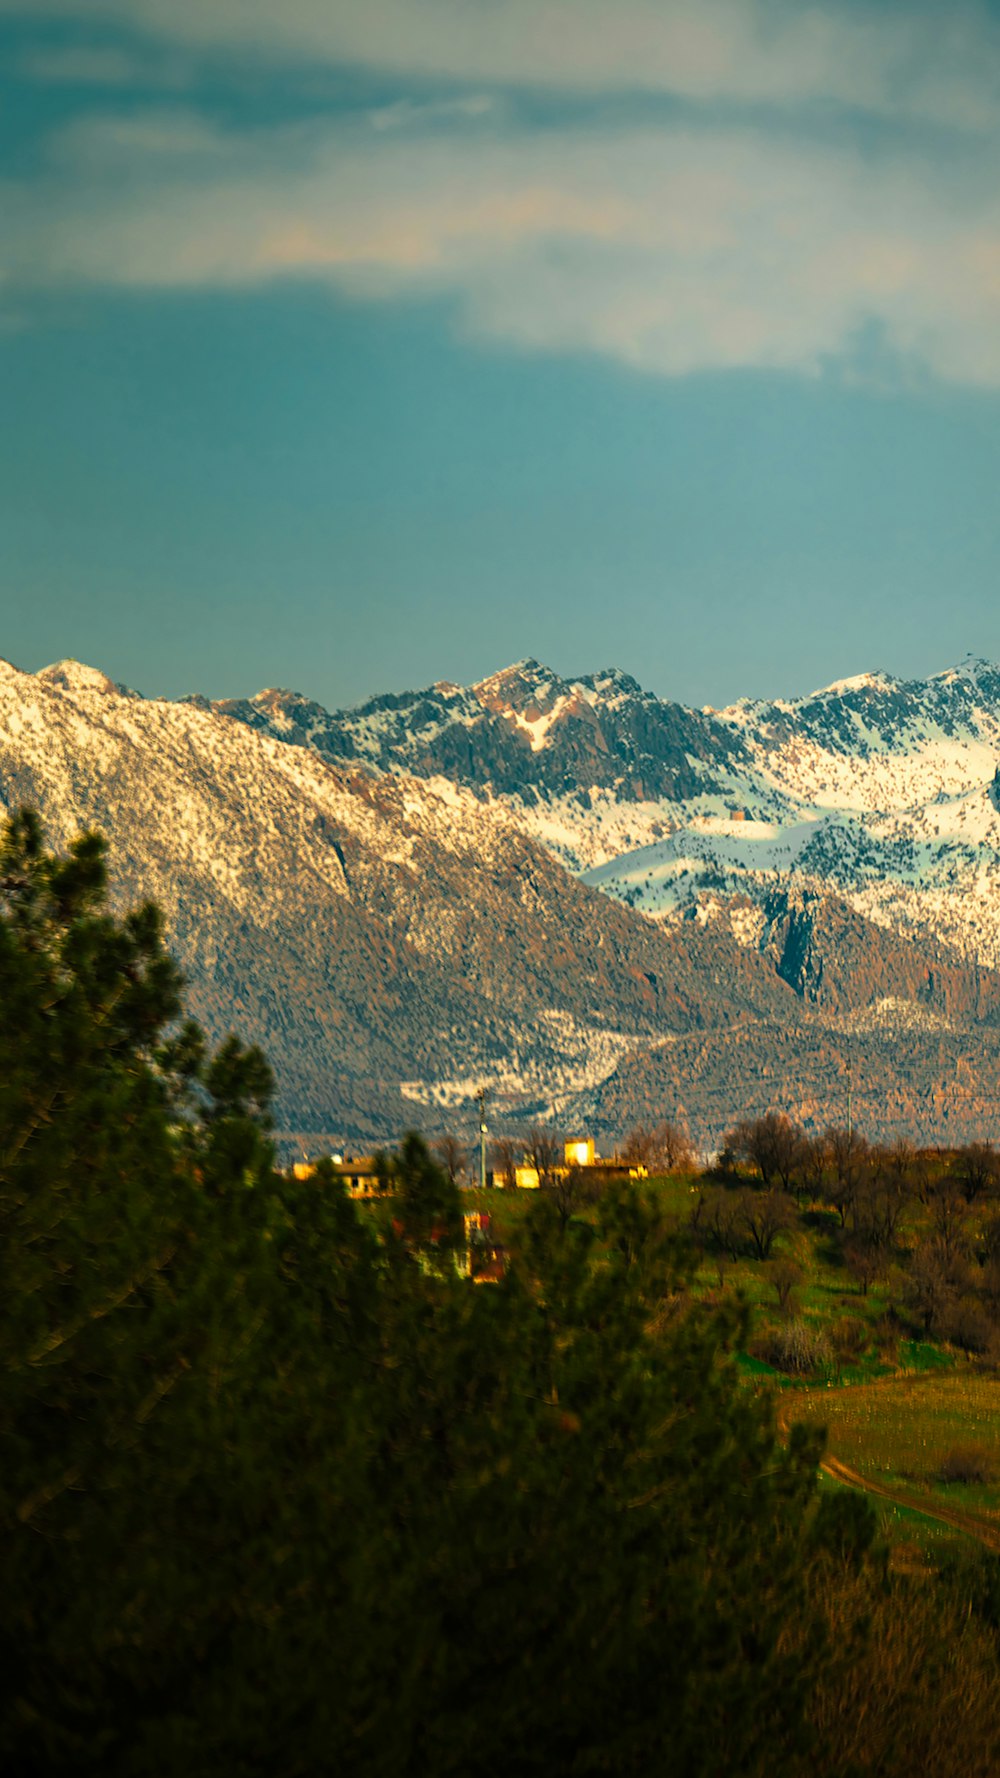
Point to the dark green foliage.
(281, 1494)
(429, 1212)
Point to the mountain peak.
(968, 668)
(520, 674)
(75, 676)
(876, 681)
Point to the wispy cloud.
(672, 250)
(106, 65)
(406, 113)
(672, 247)
(920, 60)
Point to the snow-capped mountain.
(359, 894)
(881, 791)
(393, 943)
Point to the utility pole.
(482, 1139)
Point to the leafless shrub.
(968, 1463)
(796, 1347)
(966, 1323)
(785, 1274)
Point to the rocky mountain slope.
(392, 943)
(395, 939)
(883, 792)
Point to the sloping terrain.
(396, 941)
(928, 1085)
(392, 943)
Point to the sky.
(350, 345)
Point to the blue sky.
(351, 346)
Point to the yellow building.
(360, 1175)
(579, 1153)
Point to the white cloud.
(672, 250)
(926, 61)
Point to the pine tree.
(279, 1496)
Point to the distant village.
(365, 1176)
(484, 1257)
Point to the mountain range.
(882, 791)
(601, 904)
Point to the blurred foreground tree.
(278, 1495)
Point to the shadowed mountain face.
(838, 961)
(523, 733)
(878, 791)
(395, 942)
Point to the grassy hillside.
(913, 1415)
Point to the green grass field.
(826, 1293)
(898, 1431)
(893, 1412)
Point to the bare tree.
(933, 1282)
(848, 1158)
(881, 1194)
(673, 1147)
(639, 1148)
(949, 1214)
(544, 1152)
(847, 1337)
(814, 1162)
(452, 1157)
(663, 1149)
(900, 1159)
(504, 1157)
(772, 1144)
(763, 1215)
(736, 1220)
(866, 1262)
(716, 1218)
(977, 1169)
(989, 1285)
(785, 1275)
(571, 1189)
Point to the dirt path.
(832, 1466)
(984, 1534)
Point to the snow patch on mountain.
(884, 790)
(589, 1054)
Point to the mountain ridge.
(391, 943)
(880, 790)
(397, 939)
